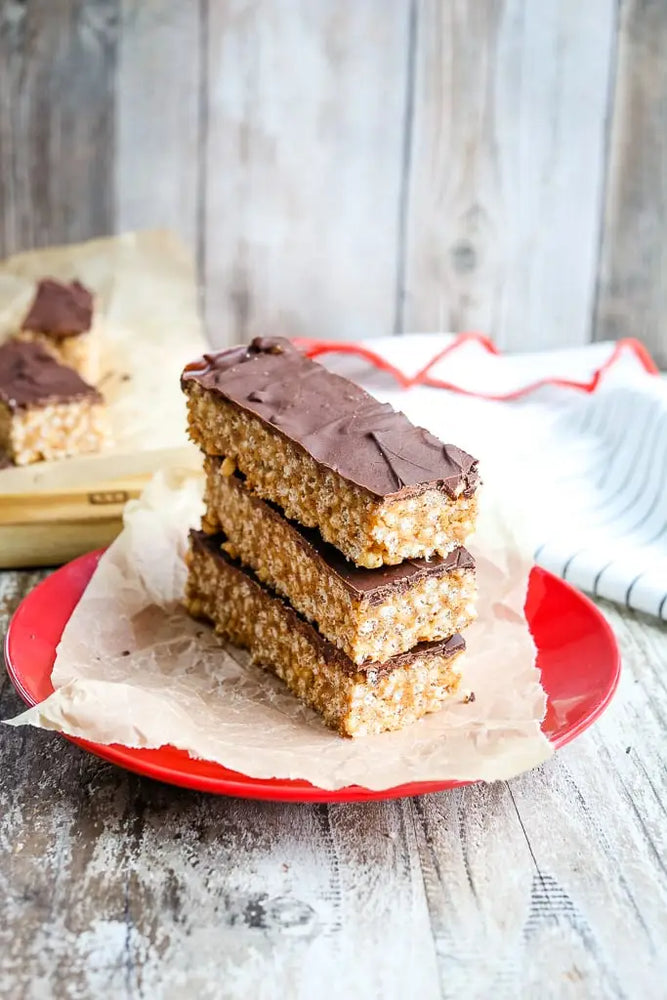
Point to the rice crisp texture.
(178, 685)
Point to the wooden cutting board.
(52, 528)
(46, 526)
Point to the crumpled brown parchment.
(132, 668)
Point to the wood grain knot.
(463, 257)
(279, 913)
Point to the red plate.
(577, 655)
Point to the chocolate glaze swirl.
(59, 309)
(30, 376)
(335, 421)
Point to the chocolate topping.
(373, 585)
(335, 421)
(443, 647)
(30, 376)
(59, 309)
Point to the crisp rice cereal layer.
(80, 351)
(431, 608)
(371, 531)
(356, 704)
(56, 431)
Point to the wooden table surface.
(550, 885)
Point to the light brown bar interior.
(369, 530)
(58, 430)
(79, 351)
(356, 703)
(433, 607)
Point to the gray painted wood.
(506, 168)
(303, 167)
(57, 71)
(346, 170)
(633, 271)
(551, 885)
(158, 117)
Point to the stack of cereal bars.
(331, 541)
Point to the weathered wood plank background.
(355, 169)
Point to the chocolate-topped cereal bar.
(355, 700)
(61, 320)
(371, 614)
(47, 411)
(330, 455)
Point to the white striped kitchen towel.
(578, 438)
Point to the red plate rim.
(174, 766)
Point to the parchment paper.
(146, 307)
(132, 668)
